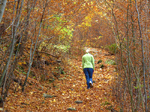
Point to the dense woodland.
(38, 38)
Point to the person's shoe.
(91, 85)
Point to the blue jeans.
(88, 74)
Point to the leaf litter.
(70, 93)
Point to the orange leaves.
(66, 90)
(21, 63)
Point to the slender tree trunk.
(137, 91)
(13, 42)
(30, 64)
(148, 42)
(32, 54)
(143, 57)
(2, 8)
(129, 69)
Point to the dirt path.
(69, 92)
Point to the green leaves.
(113, 48)
(110, 62)
(64, 48)
(137, 87)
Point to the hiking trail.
(70, 93)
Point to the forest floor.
(69, 92)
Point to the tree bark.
(13, 43)
(2, 8)
(143, 56)
(35, 46)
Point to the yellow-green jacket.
(88, 61)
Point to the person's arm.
(82, 62)
(93, 62)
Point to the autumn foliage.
(42, 41)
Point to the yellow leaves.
(37, 107)
(21, 63)
(87, 21)
(79, 25)
(109, 9)
(15, 95)
(1, 109)
(84, 4)
(100, 13)
(31, 92)
(12, 107)
(95, 9)
(54, 100)
(100, 37)
(88, 17)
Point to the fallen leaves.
(70, 92)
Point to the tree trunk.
(35, 46)
(143, 57)
(13, 43)
(2, 8)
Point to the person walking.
(88, 68)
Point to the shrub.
(113, 48)
(110, 62)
